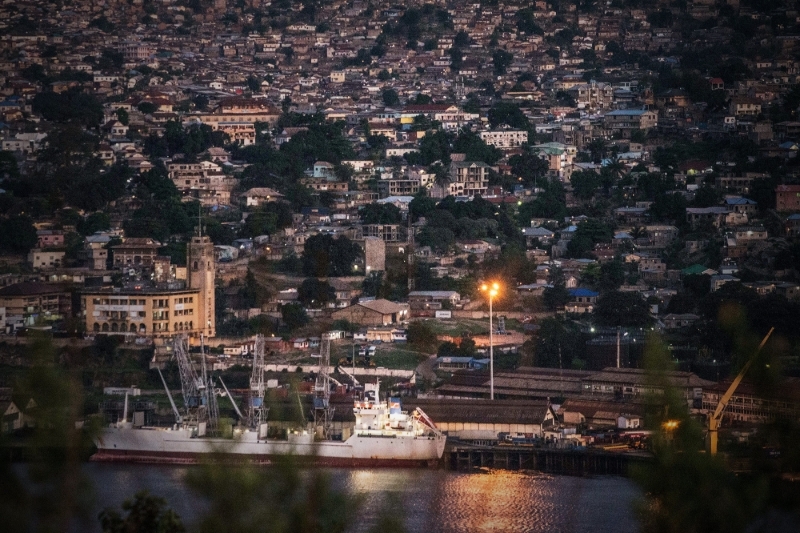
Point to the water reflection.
(431, 501)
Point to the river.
(433, 501)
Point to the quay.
(583, 462)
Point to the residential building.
(504, 138)
(467, 178)
(373, 313)
(625, 121)
(29, 303)
(787, 197)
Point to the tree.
(501, 60)
(626, 309)
(324, 256)
(17, 234)
(584, 184)
(69, 106)
(531, 168)
(146, 514)
(390, 97)
(294, 316)
(380, 214)
(315, 293)
(507, 113)
(123, 116)
(421, 336)
(556, 295)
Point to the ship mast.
(199, 397)
(323, 412)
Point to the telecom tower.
(257, 412)
(323, 412)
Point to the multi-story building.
(159, 311)
(627, 120)
(135, 252)
(467, 178)
(593, 95)
(559, 158)
(504, 138)
(398, 187)
(787, 197)
(29, 303)
(203, 181)
(750, 405)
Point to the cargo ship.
(383, 435)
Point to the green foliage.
(589, 233)
(294, 316)
(558, 343)
(70, 106)
(501, 61)
(584, 184)
(626, 309)
(466, 348)
(267, 219)
(380, 214)
(315, 293)
(282, 499)
(146, 514)
(556, 295)
(17, 234)
(421, 336)
(475, 149)
(324, 256)
(509, 114)
(390, 97)
(532, 169)
(189, 141)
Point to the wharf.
(584, 462)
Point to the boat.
(383, 434)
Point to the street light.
(492, 291)
(618, 338)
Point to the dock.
(575, 462)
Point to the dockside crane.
(199, 395)
(257, 412)
(715, 419)
(323, 412)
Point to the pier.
(575, 462)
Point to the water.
(434, 501)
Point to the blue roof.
(580, 292)
(627, 112)
(740, 201)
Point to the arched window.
(195, 265)
(142, 328)
(96, 327)
(105, 327)
(114, 327)
(190, 325)
(133, 328)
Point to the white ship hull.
(178, 446)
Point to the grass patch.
(398, 358)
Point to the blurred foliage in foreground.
(687, 490)
(49, 492)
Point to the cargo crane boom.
(256, 411)
(715, 419)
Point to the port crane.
(256, 411)
(323, 412)
(199, 396)
(715, 419)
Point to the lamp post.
(492, 292)
(618, 339)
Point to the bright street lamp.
(492, 291)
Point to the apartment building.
(504, 138)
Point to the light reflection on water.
(432, 501)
